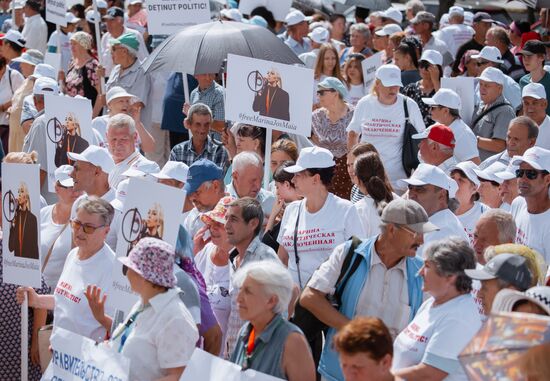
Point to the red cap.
(442, 134)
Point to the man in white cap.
(490, 56)
(534, 106)
(436, 147)
(433, 189)
(37, 138)
(423, 26)
(457, 33)
(35, 31)
(531, 211)
(383, 44)
(174, 174)
(137, 16)
(63, 35)
(296, 32)
(392, 16)
(491, 117)
(445, 109)
(318, 37)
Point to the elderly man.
(296, 32)
(532, 211)
(423, 26)
(383, 285)
(498, 37)
(121, 141)
(481, 24)
(491, 117)
(246, 180)
(535, 106)
(494, 227)
(490, 56)
(318, 37)
(436, 147)
(433, 189)
(201, 145)
(457, 33)
(445, 106)
(534, 57)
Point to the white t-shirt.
(369, 216)
(533, 229)
(383, 126)
(64, 43)
(217, 284)
(60, 236)
(454, 36)
(469, 219)
(72, 311)
(355, 93)
(448, 225)
(543, 139)
(437, 335)
(317, 234)
(465, 141)
(7, 89)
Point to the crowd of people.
(382, 243)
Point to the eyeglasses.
(322, 92)
(403, 227)
(424, 65)
(482, 62)
(531, 174)
(88, 229)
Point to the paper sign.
(150, 210)
(54, 60)
(170, 16)
(55, 12)
(269, 94)
(21, 224)
(77, 358)
(465, 88)
(370, 65)
(205, 367)
(279, 8)
(68, 129)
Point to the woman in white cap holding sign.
(379, 118)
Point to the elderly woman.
(360, 41)
(328, 129)
(380, 117)
(269, 343)
(429, 347)
(89, 263)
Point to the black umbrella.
(202, 48)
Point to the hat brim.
(520, 160)
(485, 79)
(22, 60)
(381, 33)
(420, 135)
(507, 298)
(117, 204)
(423, 227)
(206, 218)
(505, 175)
(191, 187)
(429, 101)
(77, 157)
(391, 82)
(294, 169)
(479, 274)
(478, 56)
(69, 183)
(526, 53)
(413, 182)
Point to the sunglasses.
(424, 65)
(322, 92)
(531, 174)
(88, 229)
(482, 63)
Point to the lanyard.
(252, 349)
(128, 327)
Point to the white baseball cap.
(45, 85)
(429, 174)
(70, 18)
(102, 4)
(319, 35)
(489, 53)
(432, 56)
(534, 90)
(468, 18)
(489, 173)
(118, 92)
(62, 175)
(294, 17)
(120, 195)
(468, 168)
(389, 75)
(312, 157)
(444, 97)
(536, 157)
(95, 155)
(393, 14)
(44, 70)
(388, 30)
(14, 36)
(92, 16)
(174, 170)
(232, 14)
(492, 74)
(456, 10)
(133, 2)
(509, 173)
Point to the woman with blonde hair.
(71, 141)
(535, 261)
(325, 66)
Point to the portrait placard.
(170, 16)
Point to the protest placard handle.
(25, 339)
(186, 95)
(267, 157)
(98, 43)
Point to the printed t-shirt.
(532, 229)
(355, 93)
(61, 238)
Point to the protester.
(494, 227)
(508, 190)
(13, 44)
(489, 187)
(534, 107)
(406, 56)
(482, 22)
(353, 74)
(457, 33)
(62, 37)
(533, 56)
(422, 25)
(210, 93)
(325, 67)
(35, 31)
(318, 37)
(468, 66)
(296, 32)
(10, 81)
(436, 147)
(360, 39)
(269, 343)
(381, 41)
(447, 321)
(282, 150)
(496, 36)
(535, 300)
(535, 262)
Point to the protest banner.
(206, 367)
(54, 60)
(150, 210)
(68, 128)
(21, 224)
(370, 65)
(55, 12)
(170, 16)
(77, 358)
(279, 8)
(465, 88)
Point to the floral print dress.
(82, 80)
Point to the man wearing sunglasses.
(531, 211)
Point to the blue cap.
(200, 171)
(258, 20)
(335, 84)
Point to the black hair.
(18, 48)
(282, 176)
(266, 14)
(326, 174)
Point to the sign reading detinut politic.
(170, 16)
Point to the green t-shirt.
(545, 81)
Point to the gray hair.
(532, 128)
(250, 209)
(199, 109)
(274, 278)
(415, 6)
(96, 205)
(245, 159)
(119, 121)
(505, 223)
(361, 28)
(452, 256)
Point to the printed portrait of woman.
(152, 225)
(23, 240)
(272, 100)
(71, 141)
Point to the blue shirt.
(298, 48)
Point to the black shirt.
(469, 45)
